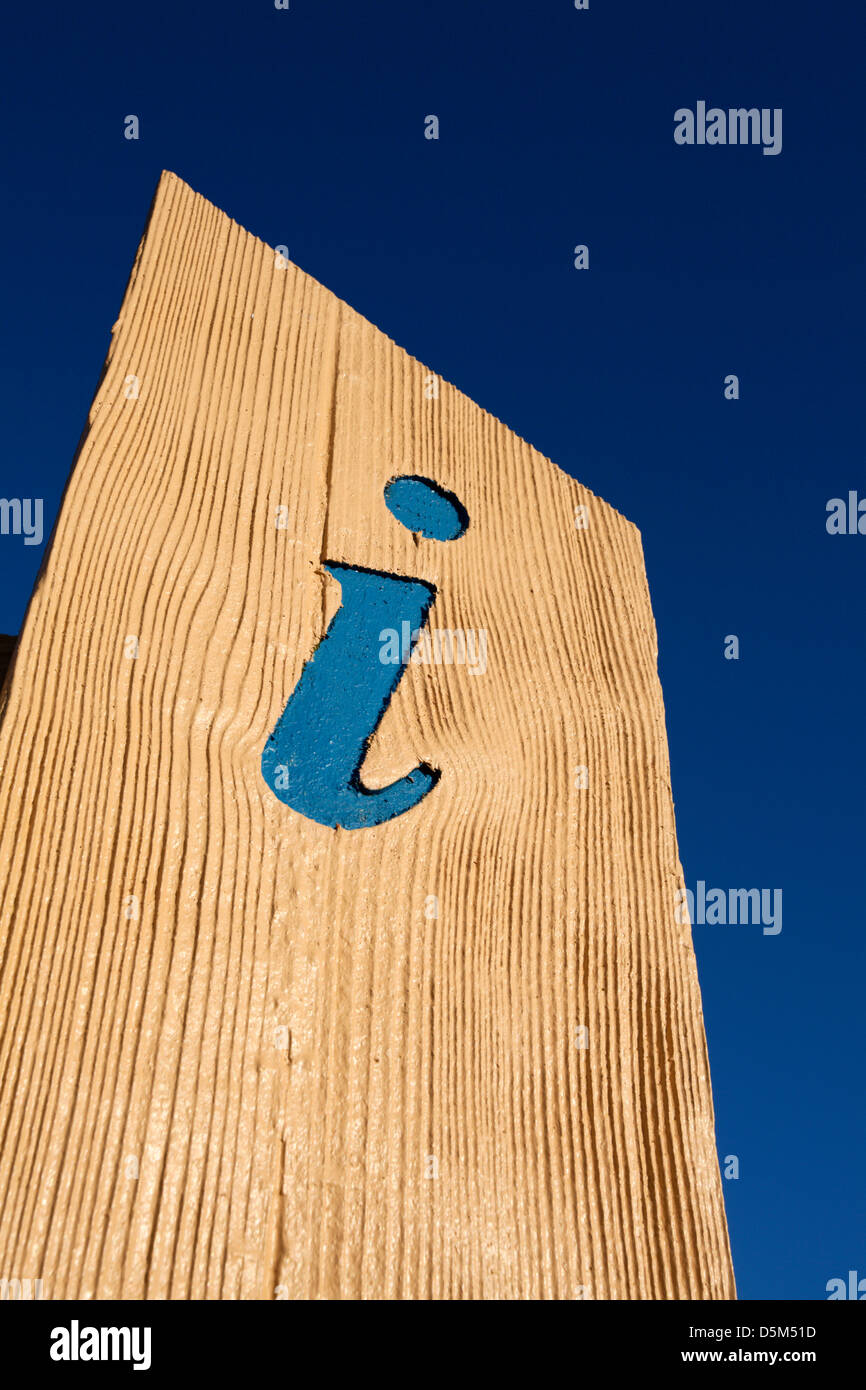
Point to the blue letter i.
(312, 761)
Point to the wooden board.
(245, 1055)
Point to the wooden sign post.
(337, 848)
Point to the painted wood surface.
(244, 1055)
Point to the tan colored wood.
(238, 1056)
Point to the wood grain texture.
(238, 1056)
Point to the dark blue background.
(306, 127)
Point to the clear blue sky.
(306, 126)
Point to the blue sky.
(556, 128)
